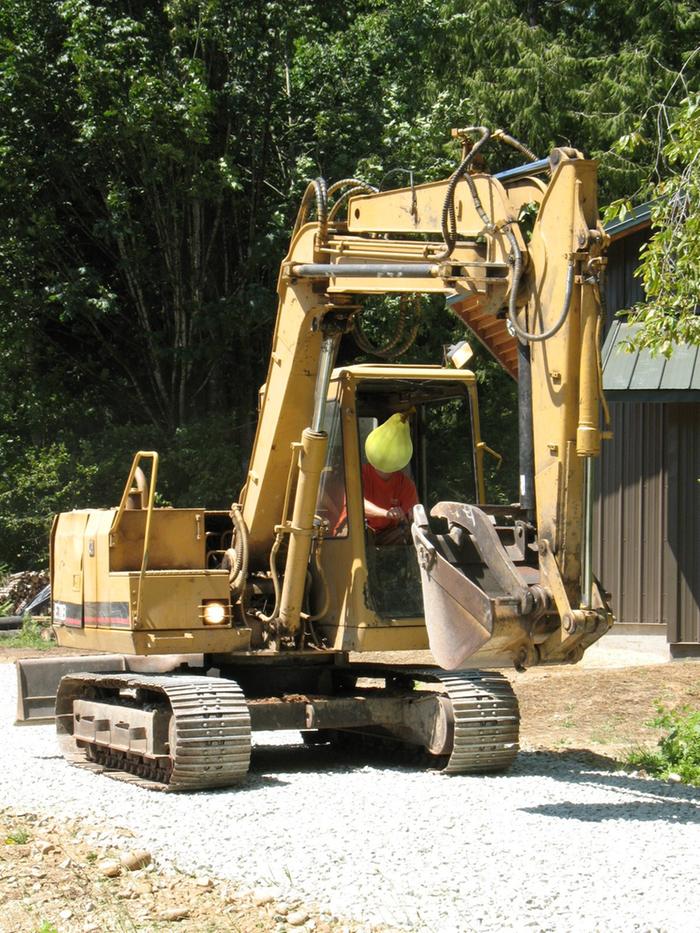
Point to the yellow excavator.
(205, 625)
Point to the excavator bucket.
(460, 614)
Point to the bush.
(202, 465)
(29, 636)
(678, 750)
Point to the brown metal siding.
(647, 541)
(684, 520)
(622, 287)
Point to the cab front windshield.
(441, 468)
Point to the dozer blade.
(38, 678)
(458, 615)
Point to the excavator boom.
(461, 238)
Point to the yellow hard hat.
(388, 447)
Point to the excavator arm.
(537, 299)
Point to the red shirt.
(396, 489)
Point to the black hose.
(357, 182)
(359, 188)
(517, 267)
(319, 189)
(516, 144)
(391, 348)
(448, 221)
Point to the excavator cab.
(376, 600)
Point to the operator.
(389, 495)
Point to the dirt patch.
(605, 710)
(52, 651)
(54, 878)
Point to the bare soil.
(52, 878)
(605, 711)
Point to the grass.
(29, 636)
(18, 837)
(678, 752)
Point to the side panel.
(67, 568)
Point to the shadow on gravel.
(650, 810)
(641, 798)
(326, 759)
(253, 782)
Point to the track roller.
(486, 720)
(472, 729)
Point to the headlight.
(215, 613)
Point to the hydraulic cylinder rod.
(323, 378)
(587, 555)
(588, 431)
(387, 270)
(526, 444)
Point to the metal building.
(647, 545)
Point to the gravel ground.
(556, 844)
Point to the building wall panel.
(647, 517)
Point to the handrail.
(140, 455)
(477, 444)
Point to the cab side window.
(332, 500)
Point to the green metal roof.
(638, 217)
(639, 376)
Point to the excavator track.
(481, 733)
(486, 719)
(208, 736)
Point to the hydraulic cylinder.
(312, 457)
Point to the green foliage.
(670, 266)
(29, 636)
(152, 157)
(201, 464)
(678, 750)
(18, 837)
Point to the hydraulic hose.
(517, 269)
(239, 573)
(307, 617)
(393, 348)
(515, 143)
(275, 582)
(448, 221)
(357, 187)
(318, 189)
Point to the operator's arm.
(394, 514)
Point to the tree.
(152, 157)
(670, 265)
